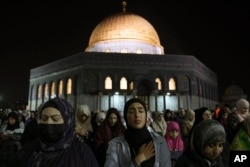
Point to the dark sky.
(217, 32)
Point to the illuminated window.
(69, 86)
(52, 90)
(171, 84)
(108, 83)
(123, 84)
(131, 85)
(159, 85)
(60, 89)
(46, 90)
(39, 91)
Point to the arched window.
(52, 90)
(46, 90)
(131, 85)
(60, 88)
(39, 91)
(123, 84)
(69, 86)
(172, 84)
(108, 83)
(159, 84)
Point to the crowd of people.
(59, 135)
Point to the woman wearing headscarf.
(159, 124)
(137, 147)
(205, 146)
(242, 109)
(10, 137)
(110, 128)
(201, 114)
(187, 125)
(83, 125)
(97, 117)
(174, 141)
(222, 116)
(168, 115)
(56, 145)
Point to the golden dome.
(125, 27)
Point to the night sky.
(217, 32)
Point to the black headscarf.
(199, 114)
(13, 115)
(137, 137)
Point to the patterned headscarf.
(67, 113)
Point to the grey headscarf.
(205, 133)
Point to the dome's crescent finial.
(124, 4)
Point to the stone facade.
(196, 85)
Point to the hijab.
(199, 114)
(174, 144)
(137, 137)
(68, 116)
(240, 105)
(205, 133)
(13, 115)
(105, 132)
(68, 151)
(83, 109)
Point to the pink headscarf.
(174, 144)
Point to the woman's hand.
(146, 152)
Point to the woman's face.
(244, 110)
(174, 134)
(161, 117)
(207, 115)
(112, 119)
(192, 118)
(51, 115)
(136, 115)
(169, 114)
(83, 118)
(11, 120)
(213, 151)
